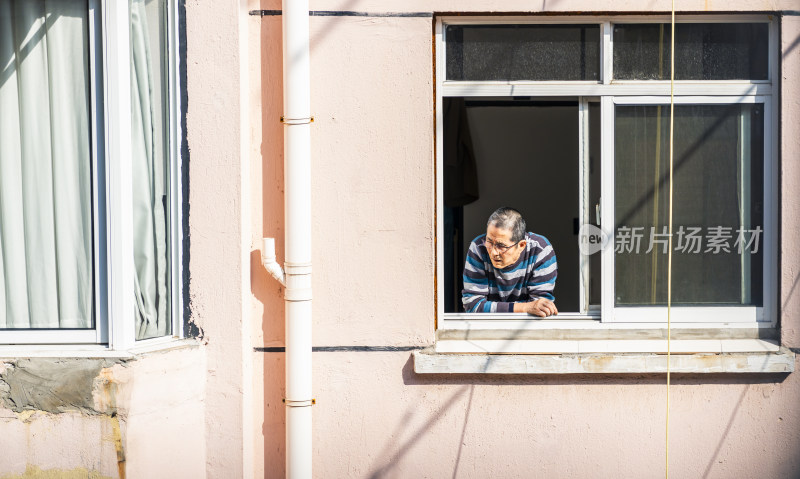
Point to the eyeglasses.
(501, 248)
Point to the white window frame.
(110, 105)
(610, 93)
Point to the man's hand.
(539, 307)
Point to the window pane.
(523, 52)
(151, 168)
(717, 205)
(46, 269)
(711, 51)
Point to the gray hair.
(508, 219)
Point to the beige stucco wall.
(374, 266)
(142, 417)
(547, 6)
(217, 259)
(790, 181)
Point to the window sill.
(94, 351)
(586, 329)
(733, 356)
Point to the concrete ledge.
(427, 361)
(150, 346)
(614, 346)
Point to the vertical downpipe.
(297, 181)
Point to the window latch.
(597, 212)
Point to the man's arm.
(541, 283)
(541, 307)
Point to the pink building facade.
(404, 386)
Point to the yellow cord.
(669, 241)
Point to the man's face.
(497, 244)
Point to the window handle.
(597, 213)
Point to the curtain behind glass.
(148, 88)
(45, 165)
(718, 183)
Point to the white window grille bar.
(175, 168)
(99, 238)
(439, 220)
(744, 199)
(606, 57)
(771, 220)
(607, 206)
(583, 198)
(119, 170)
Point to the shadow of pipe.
(726, 432)
(409, 443)
(464, 430)
(788, 50)
(791, 292)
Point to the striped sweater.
(491, 290)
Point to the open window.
(567, 120)
(537, 155)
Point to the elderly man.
(509, 270)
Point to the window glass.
(150, 168)
(46, 271)
(711, 51)
(717, 204)
(523, 52)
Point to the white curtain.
(45, 165)
(149, 174)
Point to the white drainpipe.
(297, 200)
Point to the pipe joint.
(298, 282)
(297, 269)
(274, 269)
(298, 294)
(269, 262)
